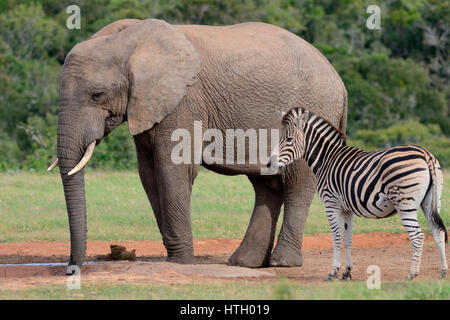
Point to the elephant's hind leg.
(254, 250)
(299, 189)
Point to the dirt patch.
(391, 252)
(42, 251)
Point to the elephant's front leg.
(168, 187)
(147, 173)
(174, 183)
(175, 186)
(255, 249)
(300, 186)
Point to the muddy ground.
(391, 252)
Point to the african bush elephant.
(160, 77)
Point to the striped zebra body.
(365, 183)
(379, 184)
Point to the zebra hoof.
(443, 274)
(411, 276)
(346, 276)
(331, 277)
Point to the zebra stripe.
(378, 184)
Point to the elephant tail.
(343, 122)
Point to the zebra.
(378, 184)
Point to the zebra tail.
(435, 217)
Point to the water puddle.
(49, 264)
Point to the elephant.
(159, 77)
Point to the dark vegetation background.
(397, 77)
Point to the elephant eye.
(96, 96)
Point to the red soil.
(391, 252)
(201, 246)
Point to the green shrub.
(405, 132)
(116, 151)
(392, 75)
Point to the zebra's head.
(292, 137)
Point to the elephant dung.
(120, 253)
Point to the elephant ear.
(162, 64)
(114, 27)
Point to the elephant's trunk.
(70, 151)
(76, 207)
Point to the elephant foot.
(250, 258)
(182, 257)
(284, 256)
(443, 274)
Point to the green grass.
(282, 289)
(32, 208)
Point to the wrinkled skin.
(160, 77)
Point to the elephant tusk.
(53, 165)
(84, 160)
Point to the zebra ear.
(301, 119)
(280, 114)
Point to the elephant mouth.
(87, 155)
(98, 141)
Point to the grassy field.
(283, 289)
(32, 208)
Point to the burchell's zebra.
(369, 184)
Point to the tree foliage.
(406, 132)
(397, 77)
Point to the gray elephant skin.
(160, 77)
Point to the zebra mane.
(296, 112)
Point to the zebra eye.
(289, 139)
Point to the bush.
(392, 75)
(116, 151)
(405, 132)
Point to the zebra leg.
(334, 219)
(409, 221)
(407, 207)
(438, 235)
(439, 239)
(348, 226)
